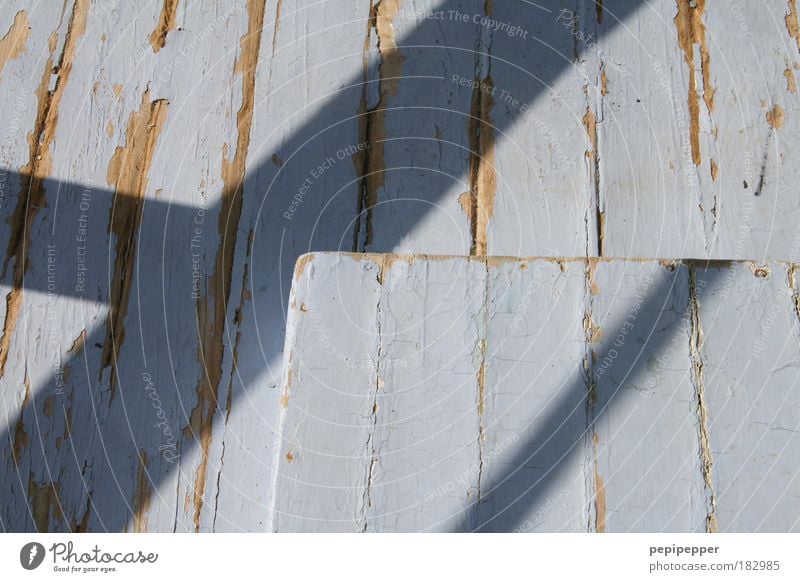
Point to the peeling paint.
(482, 172)
(302, 262)
(32, 196)
(370, 446)
(45, 504)
(603, 82)
(12, 44)
(77, 344)
(369, 162)
(589, 121)
(695, 348)
(166, 24)
(211, 310)
(600, 493)
(128, 173)
(791, 80)
(142, 495)
(278, 11)
(794, 288)
(714, 170)
(775, 117)
(691, 32)
(792, 22)
(21, 438)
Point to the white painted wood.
(305, 114)
(535, 396)
(265, 93)
(425, 132)
(716, 183)
(644, 460)
(544, 395)
(544, 202)
(425, 446)
(329, 396)
(750, 365)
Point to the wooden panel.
(645, 453)
(751, 382)
(162, 168)
(425, 446)
(535, 399)
(329, 396)
(696, 130)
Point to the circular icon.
(31, 555)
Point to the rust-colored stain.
(600, 493)
(791, 80)
(792, 22)
(691, 32)
(603, 82)
(45, 503)
(714, 170)
(776, 116)
(32, 196)
(128, 172)
(482, 175)
(12, 45)
(166, 24)
(369, 162)
(289, 457)
(211, 309)
(141, 495)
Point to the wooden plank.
(644, 458)
(544, 202)
(329, 396)
(425, 447)
(300, 194)
(692, 143)
(417, 167)
(535, 397)
(750, 375)
(141, 355)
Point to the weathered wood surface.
(164, 164)
(491, 394)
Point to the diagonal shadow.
(528, 70)
(539, 464)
